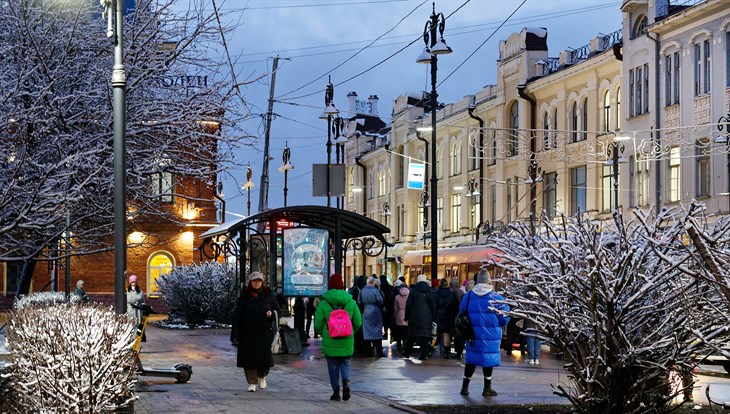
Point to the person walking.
(372, 317)
(254, 320)
(388, 296)
(399, 311)
(135, 300)
(420, 311)
(457, 340)
(533, 343)
(483, 351)
(337, 351)
(447, 307)
(80, 292)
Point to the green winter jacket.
(336, 347)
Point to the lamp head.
(424, 57)
(441, 48)
(286, 167)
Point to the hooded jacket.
(446, 308)
(400, 305)
(420, 310)
(336, 299)
(484, 350)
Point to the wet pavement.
(379, 385)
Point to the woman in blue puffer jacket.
(483, 351)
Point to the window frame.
(578, 188)
(455, 212)
(674, 176)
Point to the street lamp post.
(114, 9)
(219, 195)
(285, 168)
(338, 125)
(724, 124)
(248, 186)
(614, 157)
(434, 47)
(424, 195)
(472, 191)
(329, 110)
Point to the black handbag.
(463, 326)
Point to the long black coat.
(420, 310)
(447, 307)
(255, 331)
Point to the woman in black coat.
(254, 320)
(420, 312)
(447, 306)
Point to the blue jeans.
(533, 348)
(338, 366)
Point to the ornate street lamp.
(114, 9)
(219, 195)
(329, 111)
(614, 157)
(434, 47)
(248, 186)
(724, 124)
(338, 128)
(285, 168)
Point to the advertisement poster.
(416, 172)
(306, 254)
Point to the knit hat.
(335, 282)
(398, 283)
(133, 279)
(255, 276)
(483, 276)
(421, 278)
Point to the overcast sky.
(321, 38)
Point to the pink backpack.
(339, 324)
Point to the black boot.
(345, 389)
(488, 391)
(465, 386)
(336, 395)
(447, 352)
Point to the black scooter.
(181, 372)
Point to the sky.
(358, 43)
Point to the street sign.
(416, 172)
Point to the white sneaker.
(531, 362)
(537, 362)
(262, 383)
(252, 388)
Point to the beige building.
(556, 133)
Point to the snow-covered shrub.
(43, 299)
(628, 304)
(71, 359)
(197, 293)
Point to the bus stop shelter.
(342, 226)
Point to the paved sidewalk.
(217, 386)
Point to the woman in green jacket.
(337, 351)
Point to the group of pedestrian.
(339, 314)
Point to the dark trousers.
(424, 343)
(459, 345)
(309, 323)
(400, 333)
(470, 368)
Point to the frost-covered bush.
(628, 304)
(71, 359)
(43, 299)
(198, 293)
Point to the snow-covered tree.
(56, 155)
(628, 304)
(199, 293)
(71, 359)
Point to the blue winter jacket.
(484, 351)
(372, 316)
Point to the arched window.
(439, 164)
(401, 173)
(584, 119)
(351, 185)
(618, 108)
(640, 26)
(554, 136)
(159, 264)
(514, 125)
(455, 158)
(475, 151)
(574, 122)
(606, 111)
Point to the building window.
(514, 125)
(475, 153)
(493, 203)
(455, 159)
(351, 185)
(702, 175)
(439, 164)
(508, 188)
(371, 186)
(574, 122)
(381, 183)
(702, 67)
(159, 264)
(475, 217)
(618, 108)
(607, 111)
(608, 203)
(492, 147)
(554, 137)
(584, 119)
(455, 212)
(642, 181)
(401, 163)
(640, 26)
(577, 190)
(671, 79)
(12, 276)
(549, 194)
(639, 90)
(161, 183)
(674, 177)
(632, 178)
(439, 211)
